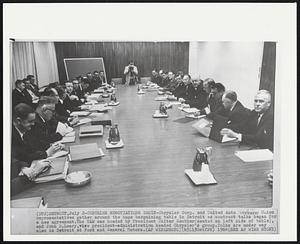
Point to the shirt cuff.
(239, 137)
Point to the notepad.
(30, 202)
(190, 110)
(203, 126)
(193, 116)
(63, 128)
(83, 121)
(157, 114)
(85, 151)
(113, 103)
(67, 139)
(111, 146)
(59, 154)
(57, 171)
(255, 155)
(72, 133)
(203, 177)
(226, 138)
(92, 130)
(80, 113)
(160, 98)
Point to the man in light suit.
(258, 128)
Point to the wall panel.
(147, 55)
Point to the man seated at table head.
(23, 121)
(259, 126)
(42, 134)
(20, 95)
(232, 109)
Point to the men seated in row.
(95, 80)
(22, 152)
(62, 112)
(258, 128)
(22, 146)
(185, 91)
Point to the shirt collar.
(21, 133)
(233, 105)
(42, 118)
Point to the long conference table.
(149, 170)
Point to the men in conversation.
(258, 128)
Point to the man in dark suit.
(34, 87)
(23, 120)
(200, 101)
(102, 78)
(41, 135)
(258, 128)
(78, 90)
(155, 78)
(189, 92)
(19, 95)
(232, 109)
(72, 101)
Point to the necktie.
(259, 118)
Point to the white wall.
(235, 64)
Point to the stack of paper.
(226, 138)
(67, 139)
(157, 114)
(203, 126)
(162, 98)
(183, 106)
(59, 154)
(111, 146)
(203, 177)
(141, 92)
(190, 110)
(99, 108)
(113, 103)
(80, 113)
(193, 116)
(72, 133)
(63, 128)
(83, 121)
(92, 130)
(85, 151)
(255, 155)
(57, 171)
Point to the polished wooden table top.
(149, 170)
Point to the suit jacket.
(41, 135)
(215, 103)
(21, 97)
(155, 79)
(22, 151)
(79, 92)
(71, 105)
(200, 100)
(237, 116)
(260, 135)
(180, 90)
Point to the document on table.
(255, 155)
(203, 177)
(72, 133)
(190, 110)
(58, 154)
(63, 128)
(83, 121)
(67, 139)
(228, 139)
(80, 113)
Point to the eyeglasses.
(259, 100)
